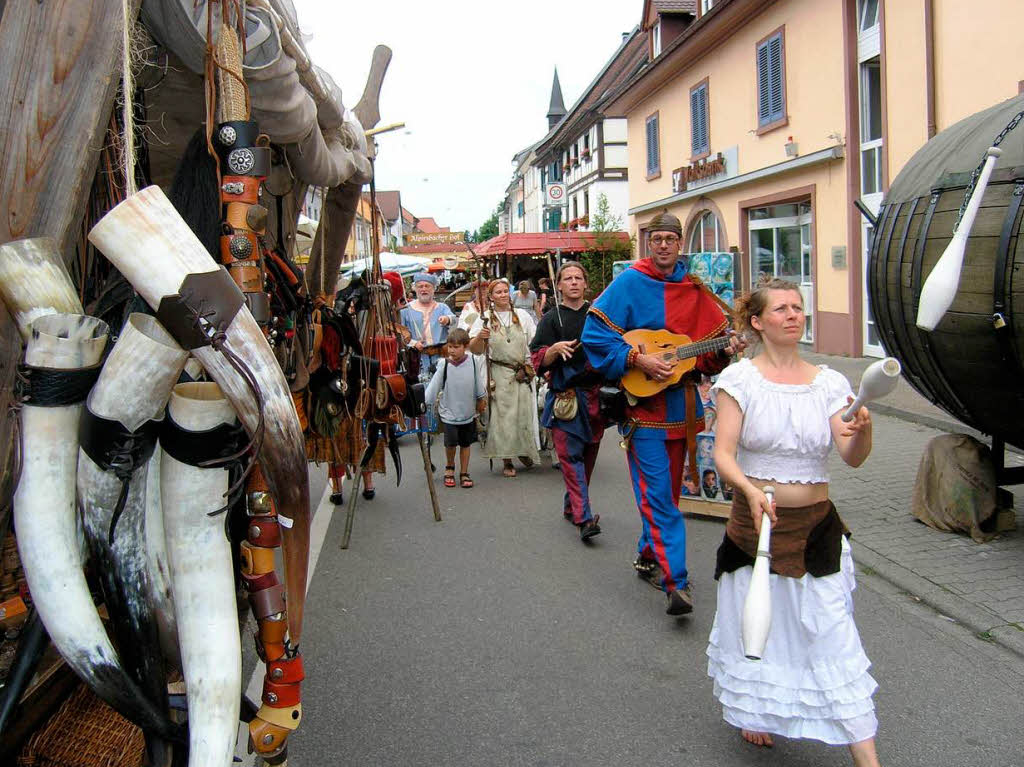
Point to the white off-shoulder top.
(785, 435)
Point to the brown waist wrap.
(806, 539)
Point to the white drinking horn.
(159, 567)
(44, 515)
(118, 434)
(153, 247)
(34, 281)
(878, 380)
(203, 580)
(757, 607)
(940, 287)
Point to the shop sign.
(425, 238)
(703, 170)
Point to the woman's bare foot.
(757, 738)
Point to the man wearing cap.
(657, 293)
(428, 322)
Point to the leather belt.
(247, 276)
(265, 532)
(240, 189)
(256, 560)
(281, 695)
(259, 306)
(240, 245)
(251, 161)
(267, 602)
(242, 215)
(286, 670)
(259, 582)
(234, 134)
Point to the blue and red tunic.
(642, 297)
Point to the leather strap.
(205, 304)
(265, 532)
(240, 189)
(198, 447)
(268, 739)
(248, 161)
(241, 215)
(56, 387)
(247, 276)
(288, 718)
(258, 304)
(233, 134)
(281, 695)
(269, 651)
(240, 245)
(259, 582)
(286, 670)
(256, 560)
(267, 602)
(113, 447)
(260, 503)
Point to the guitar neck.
(701, 347)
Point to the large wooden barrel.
(969, 365)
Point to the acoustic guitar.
(678, 350)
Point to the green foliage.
(607, 247)
(489, 228)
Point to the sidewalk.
(978, 585)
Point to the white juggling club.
(878, 380)
(940, 288)
(757, 608)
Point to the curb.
(987, 626)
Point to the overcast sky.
(470, 78)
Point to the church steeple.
(556, 110)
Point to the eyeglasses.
(658, 240)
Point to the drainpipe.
(929, 66)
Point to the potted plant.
(586, 154)
(563, 226)
(584, 220)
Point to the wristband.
(631, 356)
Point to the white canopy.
(389, 262)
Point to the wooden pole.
(425, 451)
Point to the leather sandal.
(508, 470)
(449, 476)
(464, 480)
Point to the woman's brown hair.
(753, 302)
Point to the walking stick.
(350, 512)
(426, 470)
(487, 347)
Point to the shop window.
(706, 235)
(771, 86)
(780, 246)
(653, 153)
(700, 142)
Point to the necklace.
(501, 323)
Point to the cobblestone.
(874, 501)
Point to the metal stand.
(1004, 476)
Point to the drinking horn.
(117, 436)
(159, 568)
(34, 281)
(199, 426)
(61, 359)
(200, 305)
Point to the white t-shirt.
(785, 434)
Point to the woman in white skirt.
(778, 417)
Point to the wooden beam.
(58, 77)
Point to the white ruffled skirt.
(813, 680)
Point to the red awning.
(536, 243)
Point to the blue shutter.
(652, 146)
(770, 87)
(699, 120)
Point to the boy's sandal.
(449, 476)
(508, 470)
(465, 480)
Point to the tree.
(488, 228)
(608, 248)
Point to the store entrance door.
(780, 246)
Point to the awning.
(389, 262)
(537, 243)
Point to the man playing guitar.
(656, 293)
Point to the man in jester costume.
(657, 293)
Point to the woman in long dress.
(778, 418)
(504, 334)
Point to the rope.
(127, 91)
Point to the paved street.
(495, 637)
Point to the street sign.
(555, 194)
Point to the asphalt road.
(496, 638)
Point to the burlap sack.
(955, 489)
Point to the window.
(870, 127)
(771, 85)
(699, 141)
(519, 209)
(653, 155)
(706, 5)
(780, 246)
(586, 203)
(867, 14)
(656, 39)
(705, 236)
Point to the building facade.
(760, 122)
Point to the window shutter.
(699, 120)
(775, 58)
(652, 145)
(763, 85)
